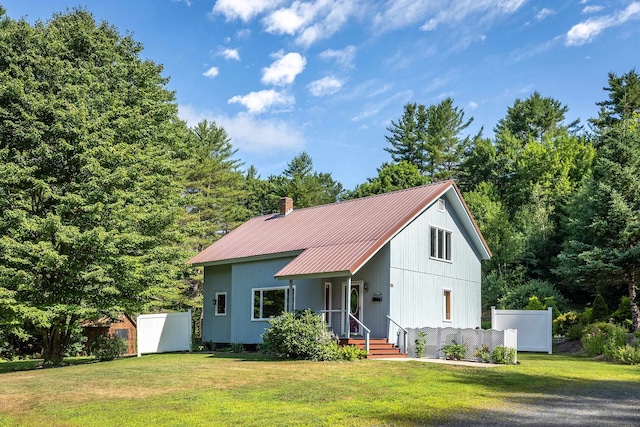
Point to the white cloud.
(402, 13)
(343, 57)
(211, 72)
(247, 133)
(284, 70)
(187, 2)
(372, 109)
(243, 9)
(264, 100)
(592, 9)
(229, 54)
(310, 21)
(543, 13)
(586, 31)
(325, 86)
(472, 105)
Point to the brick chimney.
(286, 205)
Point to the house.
(409, 258)
(123, 327)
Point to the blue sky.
(328, 76)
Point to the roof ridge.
(341, 202)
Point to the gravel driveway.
(609, 406)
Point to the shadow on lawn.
(535, 400)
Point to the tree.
(430, 138)
(306, 187)
(213, 186)
(623, 102)
(602, 252)
(262, 195)
(391, 177)
(535, 118)
(88, 190)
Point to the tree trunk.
(635, 313)
(52, 346)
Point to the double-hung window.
(269, 302)
(440, 244)
(221, 304)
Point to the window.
(269, 302)
(440, 205)
(221, 304)
(440, 244)
(447, 305)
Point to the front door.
(355, 305)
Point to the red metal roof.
(334, 238)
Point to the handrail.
(367, 331)
(404, 339)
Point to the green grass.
(204, 389)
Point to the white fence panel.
(436, 338)
(163, 332)
(534, 327)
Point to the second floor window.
(440, 244)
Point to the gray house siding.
(418, 281)
(376, 275)
(216, 328)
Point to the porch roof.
(334, 239)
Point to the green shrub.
(629, 354)
(518, 298)
(551, 302)
(503, 355)
(350, 353)
(454, 351)
(599, 310)
(108, 348)
(421, 344)
(622, 315)
(300, 335)
(236, 347)
(585, 316)
(574, 333)
(534, 304)
(483, 353)
(563, 322)
(603, 339)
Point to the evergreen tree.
(391, 177)
(623, 102)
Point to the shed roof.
(335, 239)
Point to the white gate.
(163, 332)
(534, 327)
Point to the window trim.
(328, 286)
(447, 248)
(447, 302)
(441, 205)
(217, 297)
(273, 288)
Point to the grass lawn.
(245, 390)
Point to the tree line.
(105, 192)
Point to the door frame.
(360, 285)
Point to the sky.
(328, 76)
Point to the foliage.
(628, 354)
(89, 154)
(421, 344)
(601, 253)
(391, 177)
(503, 355)
(350, 353)
(300, 335)
(622, 315)
(483, 353)
(599, 310)
(454, 351)
(518, 298)
(534, 304)
(603, 339)
(623, 100)
(108, 348)
(236, 347)
(429, 138)
(565, 321)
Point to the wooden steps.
(379, 348)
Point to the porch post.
(290, 295)
(347, 307)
